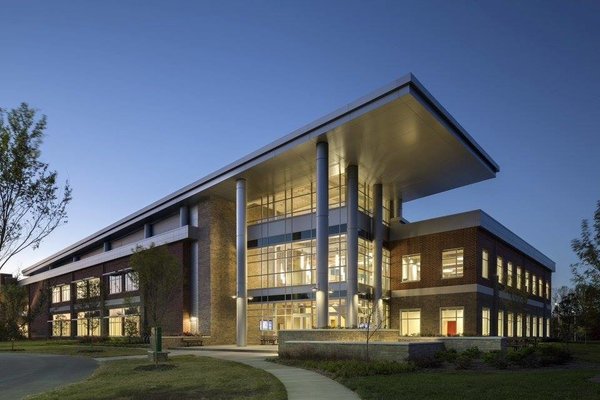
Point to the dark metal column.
(378, 250)
(352, 246)
(241, 247)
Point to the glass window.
(519, 325)
(509, 324)
(509, 274)
(500, 270)
(540, 287)
(485, 264)
(56, 294)
(485, 321)
(123, 321)
(547, 290)
(527, 323)
(547, 327)
(130, 283)
(534, 284)
(65, 292)
(61, 325)
(410, 322)
(452, 263)
(88, 323)
(115, 283)
(451, 321)
(500, 323)
(534, 326)
(527, 281)
(411, 268)
(519, 278)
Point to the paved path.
(25, 374)
(299, 383)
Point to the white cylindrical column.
(378, 250)
(352, 246)
(322, 293)
(241, 247)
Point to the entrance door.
(451, 328)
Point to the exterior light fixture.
(314, 289)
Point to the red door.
(451, 328)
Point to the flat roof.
(383, 132)
(469, 219)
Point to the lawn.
(189, 377)
(71, 348)
(571, 381)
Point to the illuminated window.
(527, 323)
(485, 264)
(130, 282)
(56, 294)
(124, 321)
(61, 325)
(88, 323)
(65, 292)
(61, 293)
(534, 326)
(527, 281)
(452, 263)
(485, 322)
(534, 284)
(451, 321)
(547, 327)
(519, 278)
(540, 287)
(509, 274)
(500, 323)
(509, 324)
(540, 326)
(115, 283)
(411, 268)
(500, 270)
(547, 290)
(519, 325)
(410, 322)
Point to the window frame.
(456, 266)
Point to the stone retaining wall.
(388, 351)
(484, 343)
(339, 335)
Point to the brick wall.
(216, 270)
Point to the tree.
(15, 312)
(157, 274)
(586, 274)
(30, 204)
(587, 249)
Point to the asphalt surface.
(26, 374)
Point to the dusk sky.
(144, 97)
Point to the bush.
(463, 361)
(427, 362)
(354, 368)
(447, 355)
(472, 352)
(496, 359)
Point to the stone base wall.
(490, 343)
(387, 351)
(338, 335)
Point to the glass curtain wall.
(290, 264)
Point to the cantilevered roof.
(399, 136)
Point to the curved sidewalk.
(299, 383)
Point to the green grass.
(191, 378)
(463, 385)
(558, 382)
(70, 348)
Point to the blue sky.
(144, 97)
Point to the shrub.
(472, 352)
(496, 359)
(525, 357)
(447, 355)
(463, 362)
(354, 368)
(427, 362)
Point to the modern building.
(308, 232)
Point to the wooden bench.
(268, 340)
(192, 341)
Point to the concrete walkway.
(299, 383)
